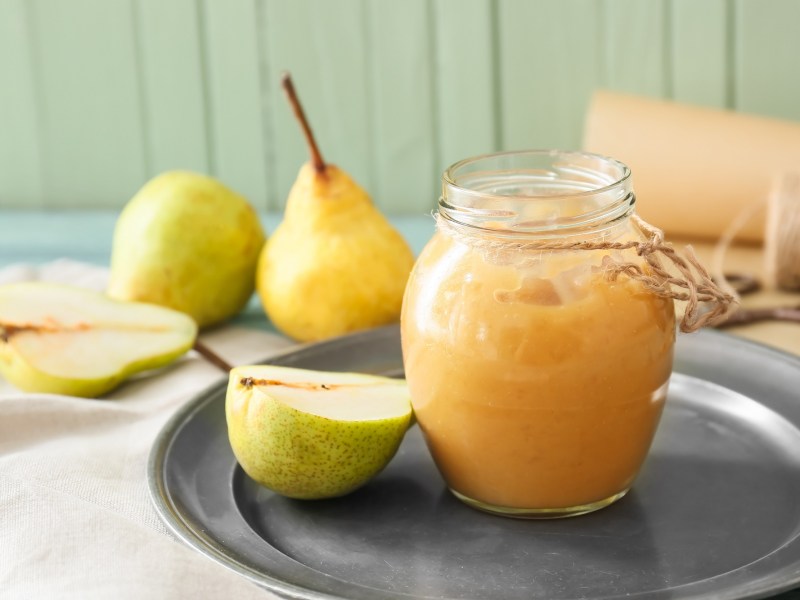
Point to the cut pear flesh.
(314, 434)
(339, 396)
(67, 340)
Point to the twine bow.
(695, 285)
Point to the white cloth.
(76, 520)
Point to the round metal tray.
(715, 512)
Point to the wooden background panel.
(549, 64)
(701, 65)
(20, 150)
(236, 118)
(329, 69)
(406, 168)
(634, 47)
(171, 85)
(767, 57)
(99, 95)
(92, 140)
(465, 65)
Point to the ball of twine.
(706, 303)
(782, 239)
(781, 250)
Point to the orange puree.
(537, 386)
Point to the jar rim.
(537, 192)
(450, 180)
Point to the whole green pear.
(187, 242)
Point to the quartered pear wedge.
(312, 434)
(65, 340)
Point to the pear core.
(66, 340)
(336, 395)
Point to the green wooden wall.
(96, 96)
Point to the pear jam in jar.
(538, 380)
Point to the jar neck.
(538, 195)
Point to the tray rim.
(161, 498)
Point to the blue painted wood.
(36, 237)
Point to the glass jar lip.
(450, 180)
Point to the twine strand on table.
(696, 287)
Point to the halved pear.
(66, 340)
(313, 434)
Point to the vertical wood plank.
(549, 66)
(235, 121)
(767, 50)
(635, 53)
(700, 62)
(465, 78)
(329, 69)
(402, 104)
(92, 143)
(172, 85)
(20, 163)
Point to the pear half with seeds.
(312, 434)
(65, 340)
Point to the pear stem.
(212, 357)
(294, 101)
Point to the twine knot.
(706, 303)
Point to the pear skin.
(310, 434)
(187, 242)
(335, 264)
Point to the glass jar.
(537, 379)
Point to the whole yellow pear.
(335, 264)
(188, 242)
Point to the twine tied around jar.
(695, 285)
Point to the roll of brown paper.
(782, 243)
(694, 169)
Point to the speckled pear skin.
(302, 455)
(335, 264)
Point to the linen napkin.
(76, 520)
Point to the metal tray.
(715, 512)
